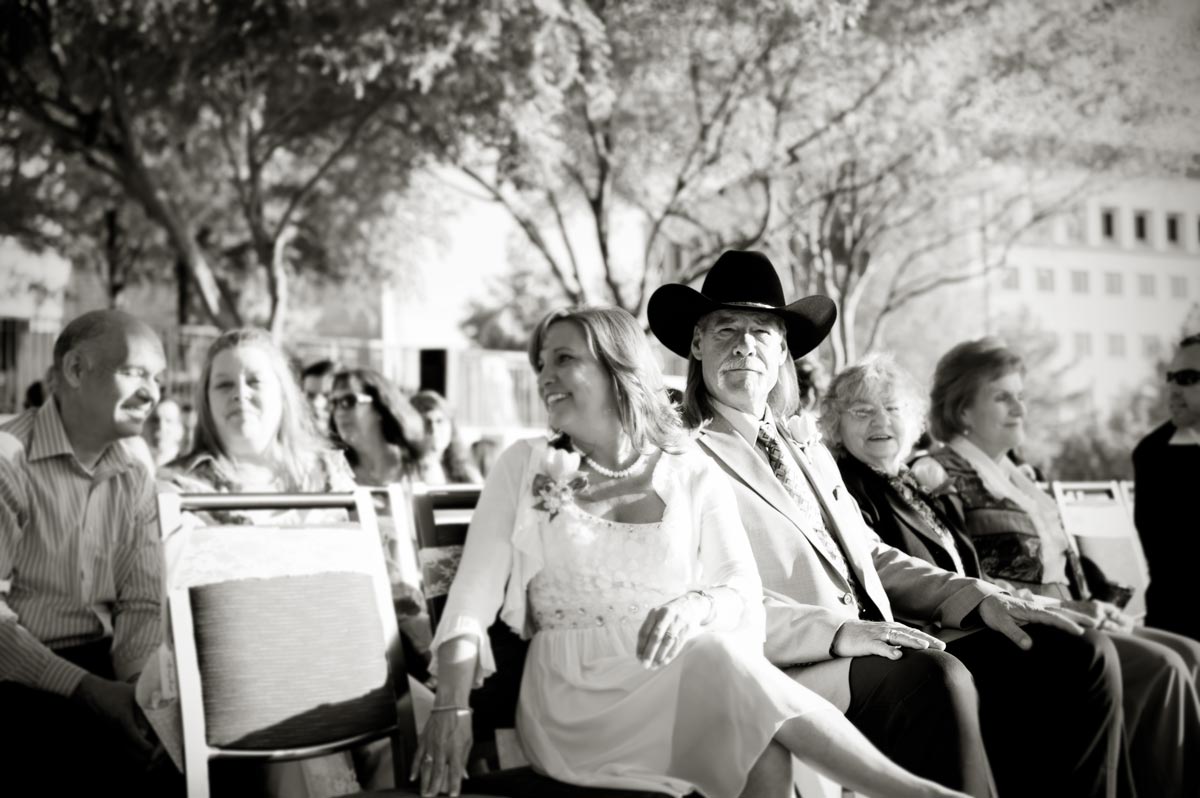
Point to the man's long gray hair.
(697, 407)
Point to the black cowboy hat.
(739, 280)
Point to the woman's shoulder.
(688, 466)
(332, 471)
(859, 478)
(959, 470)
(516, 457)
(196, 472)
(966, 481)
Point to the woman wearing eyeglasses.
(383, 434)
(1166, 469)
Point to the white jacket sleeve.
(478, 588)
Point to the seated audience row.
(706, 595)
(973, 511)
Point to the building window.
(1116, 345)
(1141, 226)
(1045, 279)
(1149, 347)
(1079, 282)
(1010, 278)
(1173, 220)
(1083, 344)
(1114, 285)
(1146, 285)
(1178, 287)
(1108, 224)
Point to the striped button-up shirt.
(79, 554)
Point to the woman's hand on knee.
(441, 760)
(666, 630)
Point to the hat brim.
(674, 309)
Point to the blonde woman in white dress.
(618, 549)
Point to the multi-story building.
(1114, 283)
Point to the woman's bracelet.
(458, 711)
(712, 606)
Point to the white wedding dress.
(589, 712)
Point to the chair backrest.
(1096, 514)
(284, 637)
(442, 514)
(1127, 494)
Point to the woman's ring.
(428, 758)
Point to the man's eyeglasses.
(1184, 377)
(349, 401)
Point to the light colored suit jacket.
(806, 598)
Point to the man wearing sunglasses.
(1166, 466)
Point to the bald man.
(80, 565)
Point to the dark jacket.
(900, 525)
(1167, 513)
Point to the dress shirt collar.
(50, 439)
(745, 423)
(1185, 436)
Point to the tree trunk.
(140, 184)
(274, 257)
(183, 293)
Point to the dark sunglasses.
(1184, 377)
(349, 401)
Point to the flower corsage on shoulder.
(931, 476)
(557, 482)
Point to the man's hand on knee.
(114, 702)
(881, 639)
(1005, 613)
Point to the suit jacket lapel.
(729, 446)
(834, 525)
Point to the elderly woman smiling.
(871, 416)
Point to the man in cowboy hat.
(1045, 699)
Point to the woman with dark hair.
(447, 459)
(383, 434)
(977, 408)
(618, 548)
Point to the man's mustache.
(751, 363)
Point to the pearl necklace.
(608, 472)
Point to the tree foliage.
(251, 134)
(856, 143)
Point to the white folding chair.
(1127, 494)
(285, 642)
(1097, 517)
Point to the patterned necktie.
(794, 482)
